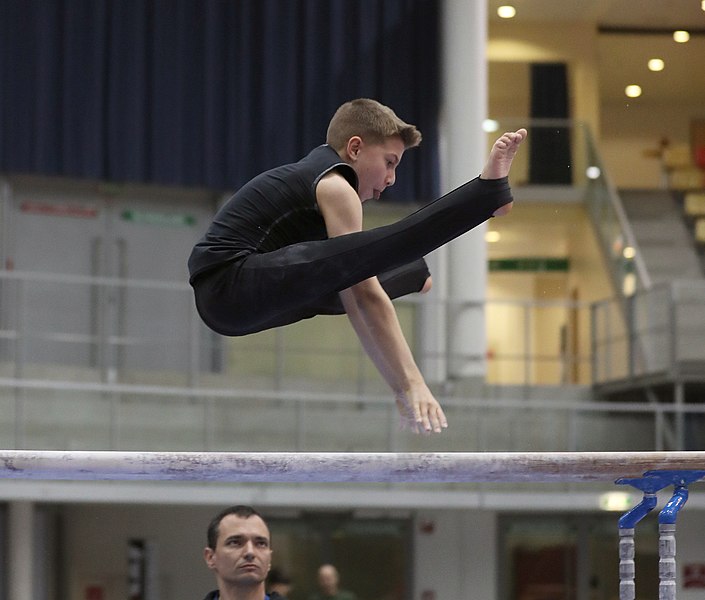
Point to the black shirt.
(275, 209)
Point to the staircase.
(665, 242)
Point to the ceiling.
(623, 56)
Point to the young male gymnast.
(289, 245)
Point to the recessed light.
(702, 4)
(490, 126)
(681, 36)
(506, 11)
(628, 252)
(633, 91)
(656, 64)
(593, 172)
(492, 236)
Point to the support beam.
(340, 467)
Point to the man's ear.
(208, 556)
(353, 147)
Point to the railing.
(112, 379)
(624, 260)
(43, 414)
(142, 332)
(660, 331)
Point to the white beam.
(341, 466)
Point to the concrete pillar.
(463, 152)
(21, 564)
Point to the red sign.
(694, 575)
(81, 211)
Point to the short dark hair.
(239, 510)
(372, 121)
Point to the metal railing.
(109, 382)
(134, 331)
(659, 331)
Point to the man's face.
(375, 165)
(242, 555)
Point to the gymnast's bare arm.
(374, 318)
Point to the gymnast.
(289, 245)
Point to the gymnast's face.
(243, 555)
(375, 164)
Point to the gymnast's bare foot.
(500, 160)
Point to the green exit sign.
(552, 265)
(148, 217)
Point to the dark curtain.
(207, 92)
(550, 157)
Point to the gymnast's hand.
(419, 411)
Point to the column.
(21, 563)
(464, 152)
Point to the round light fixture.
(633, 91)
(656, 64)
(506, 11)
(681, 36)
(492, 236)
(593, 172)
(490, 126)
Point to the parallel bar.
(336, 467)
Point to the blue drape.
(207, 92)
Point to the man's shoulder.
(211, 595)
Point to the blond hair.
(372, 121)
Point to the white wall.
(455, 555)
(631, 133)
(690, 548)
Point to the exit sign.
(536, 265)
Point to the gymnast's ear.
(352, 148)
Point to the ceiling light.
(506, 11)
(681, 36)
(656, 64)
(492, 236)
(633, 91)
(702, 5)
(593, 172)
(628, 252)
(490, 125)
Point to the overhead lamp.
(593, 172)
(492, 236)
(681, 36)
(656, 64)
(506, 11)
(633, 91)
(702, 4)
(629, 252)
(490, 125)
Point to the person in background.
(329, 585)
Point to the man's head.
(370, 120)
(328, 579)
(372, 139)
(238, 550)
